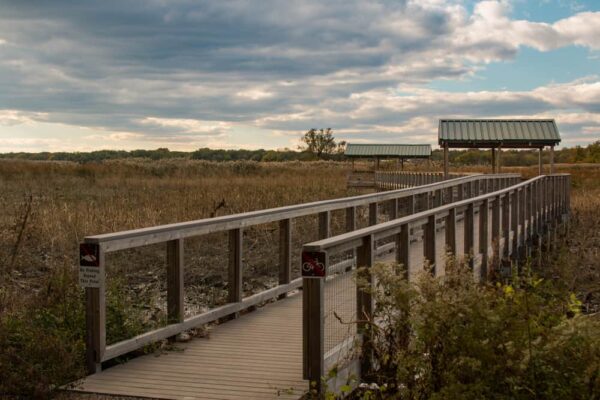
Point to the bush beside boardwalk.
(50, 206)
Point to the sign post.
(314, 271)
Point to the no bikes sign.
(313, 264)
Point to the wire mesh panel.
(340, 307)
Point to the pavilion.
(497, 134)
(399, 152)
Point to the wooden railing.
(405, 179)
(173, 235)
(520, 214)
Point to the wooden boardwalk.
(260, 354)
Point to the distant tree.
(319, 142)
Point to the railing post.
(522, 211)
(285, 253)
(438, 198)
(324, 224)
(469, 233)
(373, 210)
(484, 210)
(313, 318)
(403, 249)
(496, 230)
(175, 308)
(505, 224)
(364, 298)
(429, 243)
(450, 231)
(235, 266)
(95, 316)
(394, 208)
(514, 223)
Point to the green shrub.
(450, 338)
(43, 344)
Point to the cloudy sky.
(83, 75)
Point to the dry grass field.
(48, 207)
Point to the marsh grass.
(48, 207)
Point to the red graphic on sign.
(313, 264)
(89, 255)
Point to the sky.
(144, 74)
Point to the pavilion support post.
(551, 159)
(493, 160)
(540, 162)
(376, 163)
(499, 160)
(446, 166)
(402, 164)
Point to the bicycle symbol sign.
(313, 264)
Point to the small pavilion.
(399, 152)
(497, 134)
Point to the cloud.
(16, 117)
(180, 71)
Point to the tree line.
(317, 144)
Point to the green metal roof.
(495, 132)
(388, 150)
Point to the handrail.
(173, 235)
(528, 209)
(162, 233)
(404, 179)
(382, 229)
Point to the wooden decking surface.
(257, 356)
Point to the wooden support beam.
(494, 166)
(175, 308)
